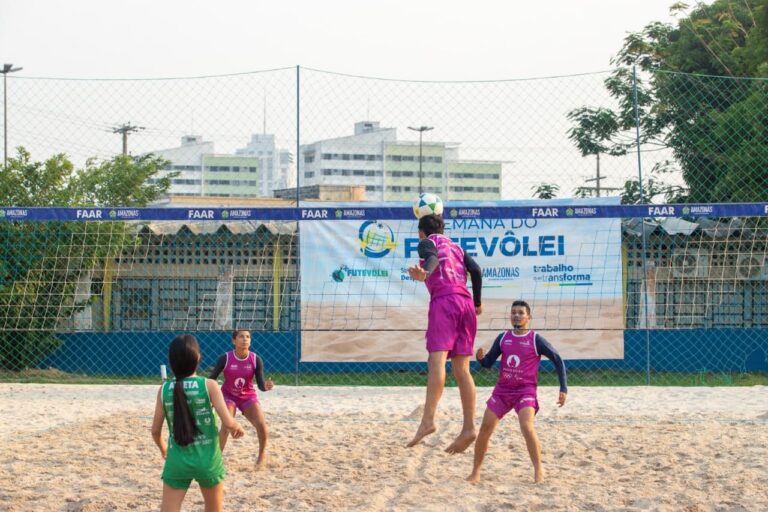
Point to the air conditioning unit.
(690, 262)
(752, 267)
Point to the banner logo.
(376, 239)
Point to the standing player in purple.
(521, 350)
(451, 325)
(241, 367)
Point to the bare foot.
(261, 462)
(422, 432)
(538, 475)
(474, 477)
(462, 442)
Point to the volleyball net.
(665, 283)
(627, 293)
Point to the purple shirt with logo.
(238, 375)
(450, 275)
(235, 368)
(520, 358)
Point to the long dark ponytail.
(184, 355)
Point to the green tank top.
(202, 458)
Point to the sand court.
(88, 448)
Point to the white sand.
(88, 448)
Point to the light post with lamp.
(421, 130)
(7, 68)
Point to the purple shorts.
(452, 325)
(501, 403)
(241, 402)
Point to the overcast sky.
(520, 122)
(407, 39)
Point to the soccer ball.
(427, 204)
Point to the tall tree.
(691, 97)
(45, 265)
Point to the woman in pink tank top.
(241, 368)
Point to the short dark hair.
(238, 331)
(431, 224)
(523, 304)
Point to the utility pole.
(597, 177)
(124, 130)
(7, 68)
(597, 188)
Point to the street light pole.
(7, 68)
(421, 130)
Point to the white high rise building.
(201, 172)
(356, 159)
(275, 163)
(392, 170)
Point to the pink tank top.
(519, 362)
(238, 375)
(450, 275)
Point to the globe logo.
(376, 239)
(338, 275)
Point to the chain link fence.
(89, 299)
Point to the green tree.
(545, 190)
(688, 97)
(42, 263)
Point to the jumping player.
(451, 325)
(192, 453)
(521, 350)
(241, 367)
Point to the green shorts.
(183, 483)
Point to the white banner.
(359, 304)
